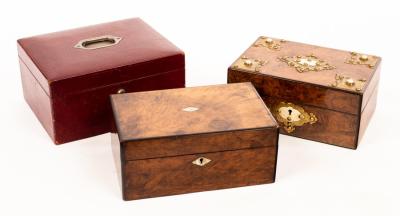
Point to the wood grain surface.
(161, 133)
(367, 113)
(293, 90)
(155, 114)
(324, 78)
(177, 175)
(342, 114)
(200, 143)
(332, 127)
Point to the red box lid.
(64, 62)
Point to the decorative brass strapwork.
(269, 43)
(291, 115)
(249, 64)
(362, 59)
(201, 161)
(306, 63)
(349, 83)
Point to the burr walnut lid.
(326, 67)
(184, 111)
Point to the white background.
(39, 178)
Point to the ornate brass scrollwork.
(269, 43)
(291, 116)
(362, 59)
(349, 83)
(306, 63)
(249, 64)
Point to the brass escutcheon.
(291, 116)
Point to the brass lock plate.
(291, 116)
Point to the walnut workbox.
(316, 93)
(178, 141)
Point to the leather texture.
(78, 82)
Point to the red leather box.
(67, 76)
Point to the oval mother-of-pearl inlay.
(190, 109)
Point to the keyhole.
(201, 160)
(290, 112)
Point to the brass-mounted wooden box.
(316, 93)
(193, 139)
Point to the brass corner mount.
(346, 82)
(249, 64)
(362, 59)
(269, 43)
